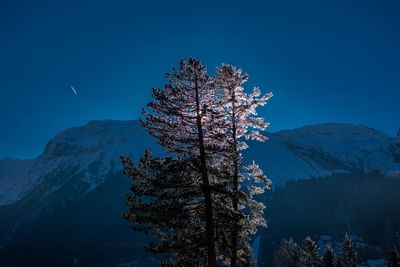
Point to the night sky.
(325, 61)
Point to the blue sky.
(325, 61)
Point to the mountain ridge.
(309, 151)
(136, 121)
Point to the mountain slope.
(311, 151)
(92, 151)
(320, 150)
(74, 192)
(13, 175)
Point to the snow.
(352, 143)
(394, 174)
(323, 149)
(359, 243)
(93, 151)
(12, 173)
(376, 263)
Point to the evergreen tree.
(394, 258)
(192, 202)
(177, 118)
(165, 202)
(241, 122)
(287, 254)
(349, 254)
(309, 253)
(329, 259)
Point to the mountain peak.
(86, 154)
(94, 136)
(337, 128)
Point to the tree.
(349, 254)
(287, 254)
(177, 118)
(329, 259)
(309, 253)
(192, 201)
(241, 122)
(164, 201)
(394, 258)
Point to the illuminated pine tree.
(177, 118)
(192, 201)
(241, 122)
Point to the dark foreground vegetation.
(365, 205)
(91, 232)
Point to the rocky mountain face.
(74, 189)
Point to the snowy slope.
(13, 178)
(87, 154)
(319, 150)
(354, 144)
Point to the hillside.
(70, 199)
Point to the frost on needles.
(195, 202)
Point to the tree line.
(290, 254)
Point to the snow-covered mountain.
(319, 150)
(89, 153)
(72, 195)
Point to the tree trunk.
(234, 240)
(210, 227)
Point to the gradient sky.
(325, 61)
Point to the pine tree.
(287, 254)
(394, 258)
(178, 118)
(193, 202)
(240, 121)
(329, 259)
(349, 254)
(309, 253)
(164, 201)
